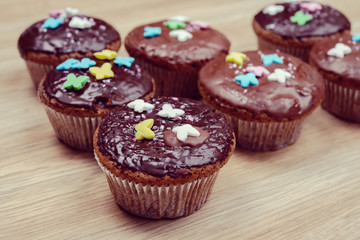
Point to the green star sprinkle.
(73, 82)
(301, 18)
(175, 24)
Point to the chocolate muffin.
(294, 27)
(265, 95)
(338, 61)
(161, 157)
(79, 92)
(65, 34)
(173, 51)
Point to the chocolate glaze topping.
(65, 40)
(325, 22)
(348, 67)
(298, 96)
(126, 85)
(116, 138)
(166, 51)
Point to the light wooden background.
(310, 190)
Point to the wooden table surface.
(310, 190)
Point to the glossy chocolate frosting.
(347, 68)
(126, 85)
(298, 96)
(326, 21)
(168, 52)
(116, 138)
(65, 40)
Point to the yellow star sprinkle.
(105, 54)
(102, 72)
(143, 129)
(236, 57)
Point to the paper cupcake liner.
(302, 53)
(341, 101)
(76, 132)
(157, 202)
(259, 136)
(37, 71)
(171, 83)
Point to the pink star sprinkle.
(198, 25)
(311, 6)
(56, 13)
(259, 71)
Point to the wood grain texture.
(310, 190)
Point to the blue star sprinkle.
(67, 64)
(152, 31)
(124, 61)
(85, 63)
(53, 23)
(271, 58)
(356, 37)
(76, 64)
(246, 80)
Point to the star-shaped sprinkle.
(236, 57)
(259, 71)
(273, 9)
(183, 131)
(301, 18)
(279, 75)
(81, 23)
(73, 82)
(356, 37)
(150, 32)
(70, 12)
(179, 18)
(105, 54)
(53, 23)
(124, 61)
(102, 72)
(271, 58)
(199, 25)
(56, 13)
(143, 129)
(175, 24)
(311, 6)
(340, 50)
(181, 35)
(140, 105)
(169, 112)
(246, 80)
(66, 65)
(83, 64)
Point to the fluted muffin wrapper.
(157, 202)
(302, 53)
(172, 83)
(76, 132)
(341, 101)
(262, 136)
(38, 71)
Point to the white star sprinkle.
(70, 12)
(140, 105)
(181, 34)
(169, 112)
(82, 23)
(179, 18)
(273, 9)
(339, 50)
(279, 75)
(183, 131)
